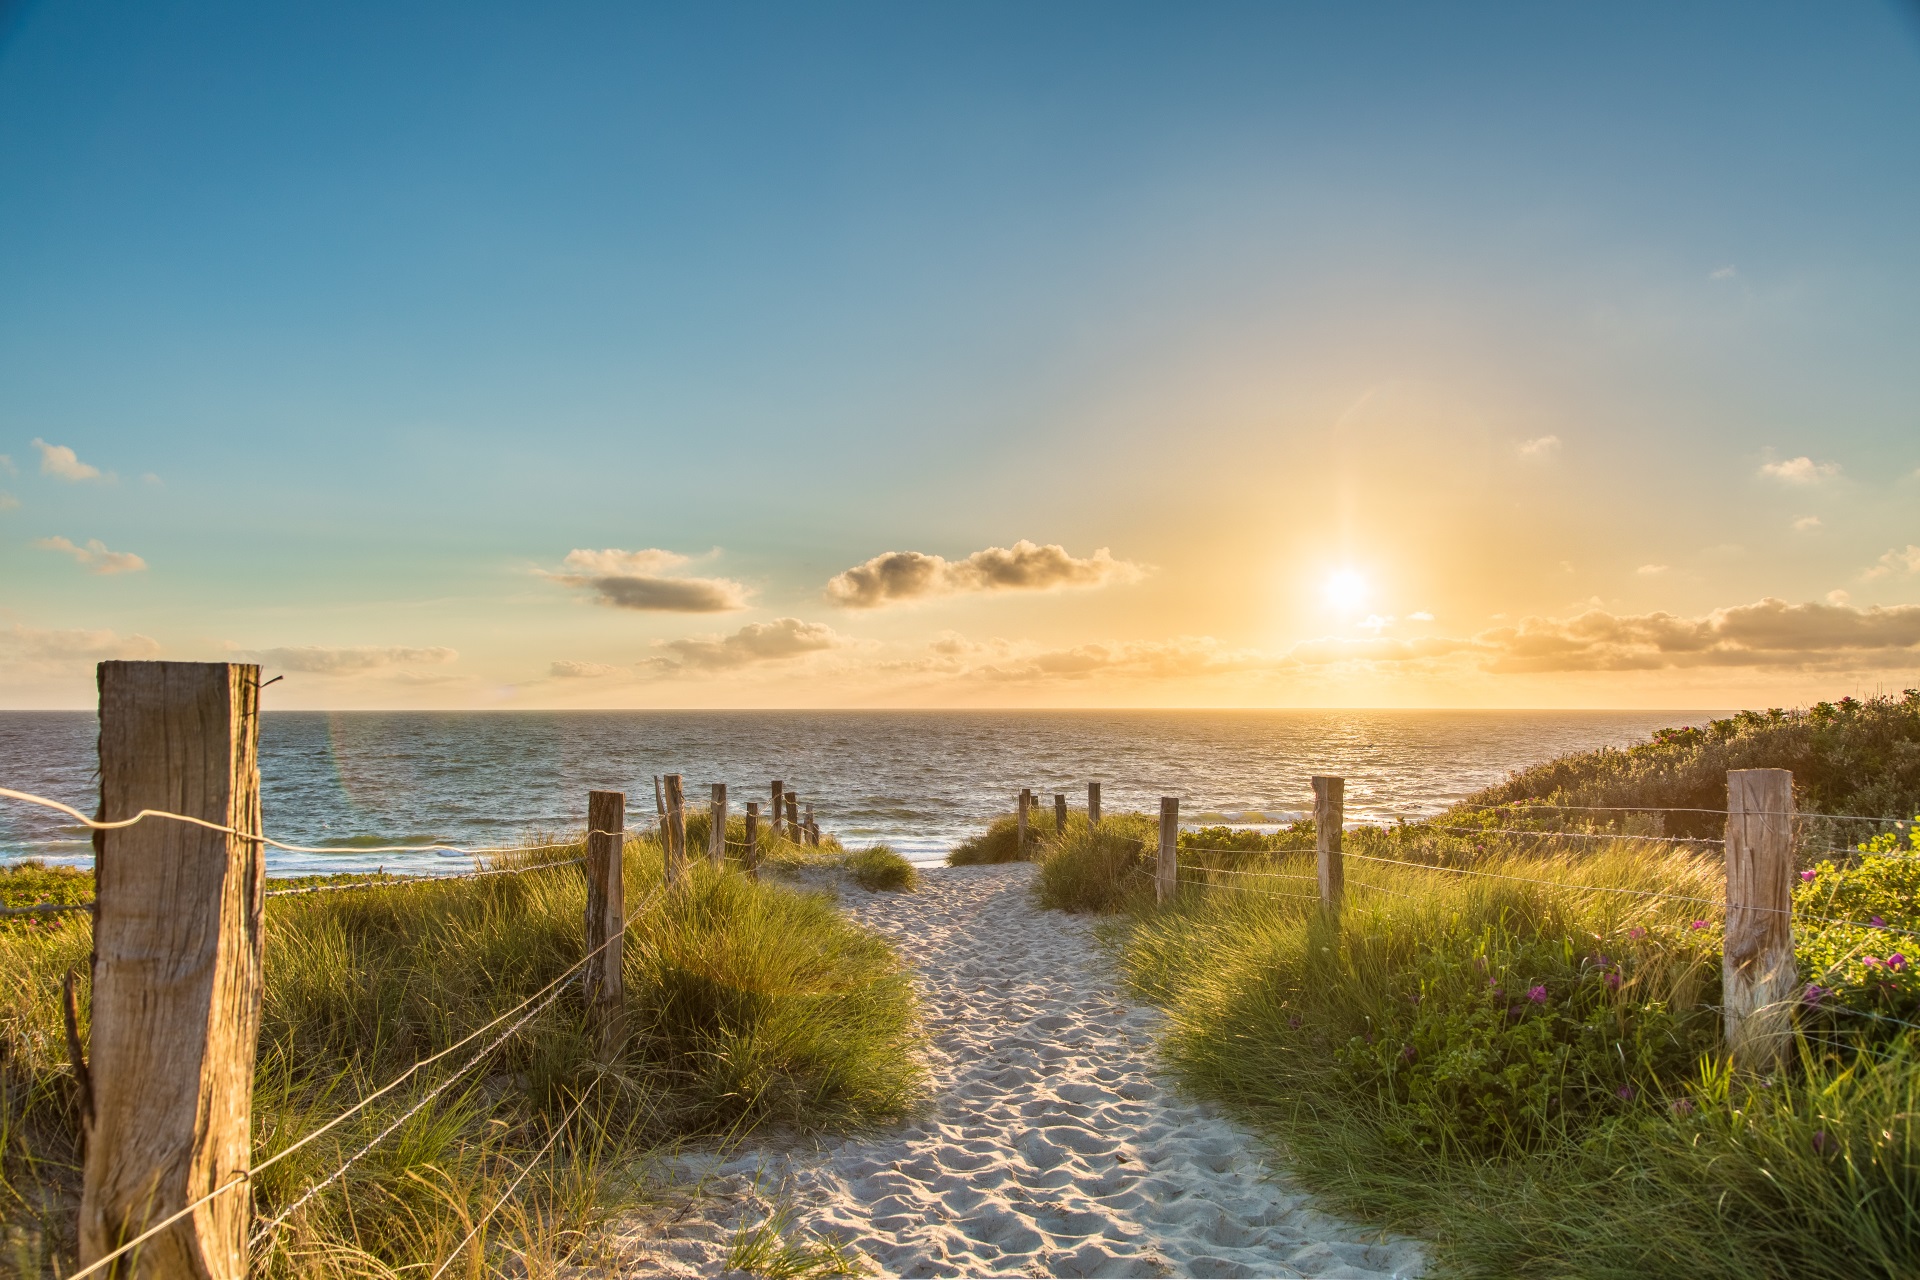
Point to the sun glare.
(1345, 589)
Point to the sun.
(1345, 590)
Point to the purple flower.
(1699, 924)
(1406, 1054)
(1294, 1022)
(1537, 993)
(1682, 1106)
(1897, 961)
(1613, 980)
(1814, 994)
(1821, 1142)
(1877, 922)
(1806, 877)
(1624, 1093)
(1872, 962)
(1636, 933)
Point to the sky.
(953, 355)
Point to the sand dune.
(1052, 1147)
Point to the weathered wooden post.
(676, 841)
(1166, 877)
(606, 917)
(1093, 804)
(176, 969)
(752, 852)
(717, 830)
(1059, 815)
(811, 828)
(793, 815)
(1021, 806)
(778, 787)
(1757, 972)
(1329, 825)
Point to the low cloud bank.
(32, 644)
(751, 645)
(639, 580)
(899, 576)
(345, 660)
(94, 556)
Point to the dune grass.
(879, 868)
(750, 1006)
(1528, 1071)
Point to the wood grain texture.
(676, 830)
(1757, 969)
(717, 827)
(1059, 815)
(176, 967)
(606, 916)
(751, 854)
(1329, 826)
(792, 799)
(1166, 874)
(1093, 804)
(1021, 806)
(779, 792)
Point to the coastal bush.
(1853, 756)
(1525, 1064)
(1097, 868)
(879, 868)
(748, 1005)
(1000, 842)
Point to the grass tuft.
(879, 868)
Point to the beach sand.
(1053, 1144)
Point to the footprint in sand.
(1048, 1149)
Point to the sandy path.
(1052, 1147)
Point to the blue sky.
(399, 305)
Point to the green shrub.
(1097, 869)
(1000, 842)
(880, 868)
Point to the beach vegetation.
(879, 868)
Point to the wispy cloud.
(585, 670)
(59, 460)
(1652, 570)
(94, 556)
(1722, 273)
(1538, 447)
(8, 502)
(31, 644)
(1896, 561)
(6, 465)
(1806, 524)
(639, 580)
(754, 644)
(901, 576)
(1801, 470)
(330, 660)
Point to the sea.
(916, 780)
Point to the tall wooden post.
(1757, 972)
(811, 828)
(1329, 825)
(1059, 815)
(1021, 806)
(1093, 804)
(751, 853)
(676, 841)
(176, 968)
(717, 828)
(792, 799)
(606, 917)
(1166, 876)
(778, 787)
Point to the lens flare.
(1345, 589)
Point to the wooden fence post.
(176, 968)
(1059, 815)
(1166, 878)
(751, 854)
(1329, 825)
(1093, 804)
(676, 841)
(778, 788)
(1021, 806)
(717, 826)
(606, 916)
(793, 815)
(811, 828)
(1757, 971)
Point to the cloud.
(328, 660)
(58, 460)
(1807, 524)
(1420, 616)
(636, 580)
(1539, 447)
(1651, 570)
(8, 502)
(755, 643)
(94, 556)
(1896, 561)
(1800, 470)
(1839, 595)
(900, 576)
(6, 465)
(30, 644)
(584, 670)
(1767, 633)
(1181, 656)
(1722, 273)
